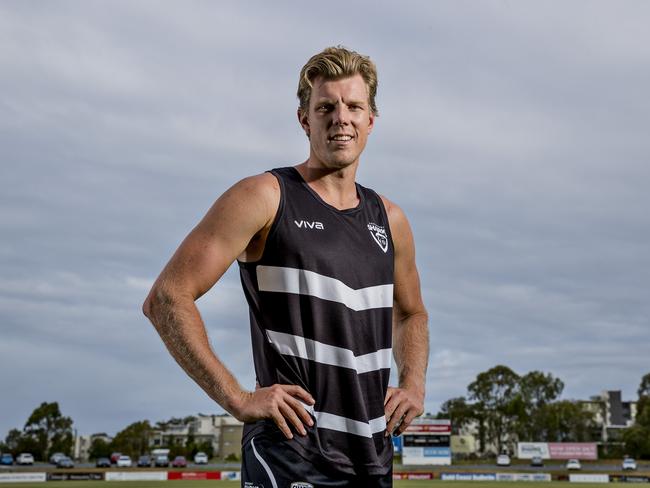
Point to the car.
(7, 459)
(200, 458)
(161, 461)
(144, 461)
(115, 456)
(124, 462)
(25, 458)
(536, 461)
(503, 460)
(628, 464)
(54, 458)
(573, 464)
(179, 462)
(64, 462)
(103, 462)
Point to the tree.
(537, 390)
(497, 394)
(99, 448)
(49, 431)
(134, 439)
(458, 411)
(637, 437)
(567, 421)
(644, 387)
(17, 442)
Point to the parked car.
(161, 461)
(115, 456)
(628, 464)
(7, 459)
(64, 462)
(536, 461)
(200, 458)
(503, 460)
(179, 462)
(144, 461)
(124, 462)
(54, 458)
(25, 458)
(573, 464)
(103, 462)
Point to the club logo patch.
(378, 233)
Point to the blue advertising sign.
(397, 444)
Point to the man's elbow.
(146, 307)
(153, 301)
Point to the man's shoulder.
(393, 210)
(260, 185)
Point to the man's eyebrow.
(347, 102)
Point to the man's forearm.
(181, 328)
(411, 351)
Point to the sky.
(514, 134)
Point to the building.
(611, 414)
(222, 432)
(82, 444)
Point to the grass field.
(234, 484)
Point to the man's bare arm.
(410, 329)
(238, 219)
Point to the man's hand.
(401, 406)
(280, 403)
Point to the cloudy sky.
(513, 133)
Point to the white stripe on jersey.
(303, 282)
(330, 421)
(293, 345)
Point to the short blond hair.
(334, 63)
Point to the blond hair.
(334, 63)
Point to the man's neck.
(335, 186)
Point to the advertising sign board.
(571, 450)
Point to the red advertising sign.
(573, 450)
(193, 475)
(412, 476)
(439, 426)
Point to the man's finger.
(389, 394)
(290, 414)
(396, 418)
(282, 424)
(300, 409)
(299, 392)
(410, 415)
(391, 405)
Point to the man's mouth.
(340, 138)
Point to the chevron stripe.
(304, 282)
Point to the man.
(328, 269)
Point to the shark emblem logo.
(378, 233)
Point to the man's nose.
(341, 115)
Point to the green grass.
(233, 484)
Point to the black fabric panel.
(328, 322)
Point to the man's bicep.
(221, 236)
(407, 294)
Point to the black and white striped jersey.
(320, 302)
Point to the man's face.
(338, 121)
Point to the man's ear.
(303, 119)
(371, 122)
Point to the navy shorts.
(270, 464)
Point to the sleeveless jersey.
(320, 302)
